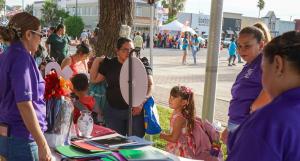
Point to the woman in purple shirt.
(272, 133)
(22, 107)
(247, 88)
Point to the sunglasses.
(37, 33)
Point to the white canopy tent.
(189, 29)
(177, 26)
(172, 26)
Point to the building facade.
(272, 22)
(37, 6)
(250, 21)
(285, 26)
(142, 16)
(277, 26)
(89, 11)
(198, 22)
(231, 24)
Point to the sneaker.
(229, 65)
(240, 62)
(233, 64)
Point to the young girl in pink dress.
(182, 123)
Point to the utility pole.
(152, 3)
(23, 5)
(76, 7)
(212, 60)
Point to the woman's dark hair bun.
(83, 47)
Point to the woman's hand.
(137, 110)
(44, 152)
(31, 122)
(224, 136)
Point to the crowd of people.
(263, 112)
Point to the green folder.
(143, 155)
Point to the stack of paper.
(111, 149)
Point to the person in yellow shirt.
(138, 43)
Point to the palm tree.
(29, 9)
(261, 6)
(49, 11)
(174, 7)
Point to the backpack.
(206, 141)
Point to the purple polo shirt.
(245, 90)
(270, 134)
(20, 81)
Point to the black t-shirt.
(111, 69)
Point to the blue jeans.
(117, 119)
(232, 127)
(194, 52)
(18, 149)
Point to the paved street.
(168, 71)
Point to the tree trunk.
(113, 14)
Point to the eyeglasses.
(126, 50)
(37, 33)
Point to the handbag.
(151, 117)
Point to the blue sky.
(283, 9)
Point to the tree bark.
(112, 14)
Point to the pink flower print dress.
(185, 142)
